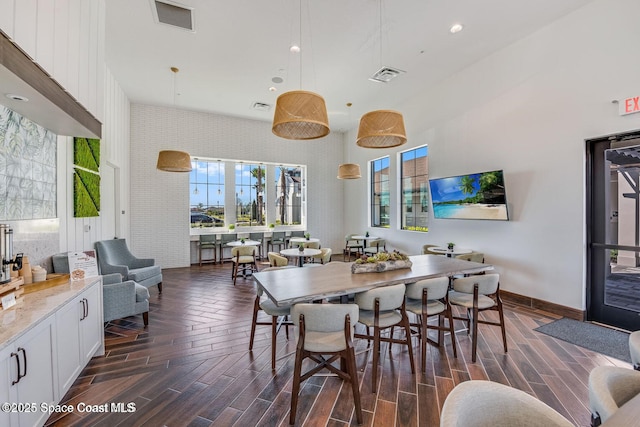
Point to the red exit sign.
(629, 105)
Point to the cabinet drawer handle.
(85, 309)
(16, 381)
(24, 355)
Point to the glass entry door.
(613, 231)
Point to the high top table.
(335, 278)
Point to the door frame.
(596, 233)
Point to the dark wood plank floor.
(192, 367)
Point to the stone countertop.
(37, 306)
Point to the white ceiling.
(238, 46)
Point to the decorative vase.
(301, 248)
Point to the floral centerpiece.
(382, 261)
(307, 236)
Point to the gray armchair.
(119, 299)
(114, 257)
(123, 299)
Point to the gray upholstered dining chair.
(383, 308)
(427, 298)
(609, 388)
(325, 335)
(114, 257)
(479, 403)
(634, 349)
(476, 294)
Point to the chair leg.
(353, 374)
(376, 356)
(234, 273)
(295, 387)
(452, 333)
(423, 341)
(160, 287)
(504, 332)
(474, 338)
(145, 318)
(256, 307)
(274, 331)
(407, 332)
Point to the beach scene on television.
(473, 196)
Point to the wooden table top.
(293, 285)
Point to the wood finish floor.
(192, 367)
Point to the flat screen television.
(472, 196)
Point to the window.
(289, 185)
(250, 190)
(414, 172)
(250, 201)
(380, 192)
(206, 188)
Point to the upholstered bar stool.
(609, 388)
(206, 242)
(325, 330)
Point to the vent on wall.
(174, 14)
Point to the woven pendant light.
(174, 161)
(349, 171)
(300, 115)
(381, 129)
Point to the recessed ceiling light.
(15, 97)
(455, 28)
(277, 79)
(272, 89)
(295, 48)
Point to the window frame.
(414, 199)
(377, 198)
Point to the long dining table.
(295, 285)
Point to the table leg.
(300, 261)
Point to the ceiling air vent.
(174, 14)
(385, 74)
(261, 106)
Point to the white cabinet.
(45, 345)
(30, 375)
(79, 335)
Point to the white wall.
(527, 109)
(66, 38)
(78, 234)
(160, 200)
